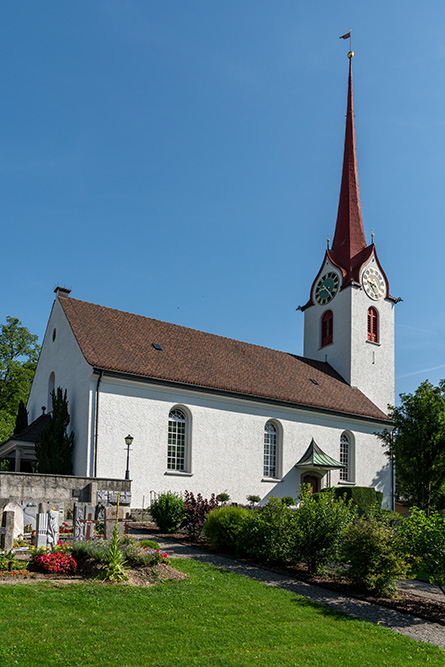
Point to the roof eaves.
(246, 396)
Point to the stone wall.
(57, 489)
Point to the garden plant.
(168, 511)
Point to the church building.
(210, 414)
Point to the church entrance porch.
(313, 466)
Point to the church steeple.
(349, 318)
(349, 237)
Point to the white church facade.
(211, 414)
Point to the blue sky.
(182, 160)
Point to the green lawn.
(216, 618)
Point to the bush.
(195, 513)
(270, 533)
(148, 543)
(373, 556)
(224, 525)
(364, 498)
(223, 497)
(423, 538)
(167, 511)
(288, 500)
(321, 523)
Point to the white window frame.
(178, 440)
(272, 444)
(347, 458)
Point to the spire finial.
(328, 241)
(372, 236)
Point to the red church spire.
(349, 237)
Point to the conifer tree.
(54, 448)
(21, 421)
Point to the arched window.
(51, 388)
(177, 440)
(270, 450)
(373, 325)
(327, 328)
(347, 457)
(344, 457)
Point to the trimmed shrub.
(224, 525)
(151, 544)
(195, 513)
(321, 523)
(373, 557)
(269, 534)
(364, 498)
(288, 500)
(167, 511)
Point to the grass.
(215, 619)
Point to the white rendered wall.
(226, 440)
(63, 357)
(368, 366)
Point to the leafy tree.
(54, 448)
(417, 445)
(424, 540)
(19, 352)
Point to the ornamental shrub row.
(324, 530)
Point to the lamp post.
(128, 441)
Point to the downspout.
(96, 422)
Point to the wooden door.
(313, 481)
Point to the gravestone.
(53, 527)
(47, 528)
(110, 520)
(18, 518)
(81, 511)
(7, 530)
(42, 530)
(30, 514)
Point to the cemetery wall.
(57, 489)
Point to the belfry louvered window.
(327, 328)
(177, 440)
(373, 325)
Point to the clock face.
(373, 283)
(327, 288)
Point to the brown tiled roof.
(114, 340)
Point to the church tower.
(349, 318)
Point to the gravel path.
(416, 628)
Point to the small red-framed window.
(327, 328)
(373, 325)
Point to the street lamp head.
(128, 440)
